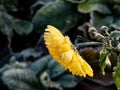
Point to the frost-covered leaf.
(67, 81)
(55, 69)
(115, 39)
(40, 64)
(116, 25)
(76, 1)
(47, 82)
(9, 5)
(42, 2)
(19, 79)
(6, 24)
(29, 52)
(61, 14)
(114, 35)
(23, 27)
(98, 20)
(13, 64)
(87, 6)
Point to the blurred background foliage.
(24, 60)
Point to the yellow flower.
(62, 50)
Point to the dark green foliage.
(26, 53)
(103, 12)
(98, 19)
(37, 76)
(6, 24)
(23, 27)
(60, 13)
(88, 6)
(55, 69)
(42, 2)
(40, 65)
(10, 5)
(28, 69)
(67, 81)
(116, 25)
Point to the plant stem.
(84, 44)
(9, 44)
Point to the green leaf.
(67, 81)
(116, 77)
(116, 11)
(2, 8)
(47, 82)
(1, 1)
(39, 3)
(19, 79)
(114, 35)
(43, 2)
(23, 27)
(55, 69)
(98, 19)
(88, 6)
(117, 1)
(116, 74)
(61, 14)
(41, 64)
(115, 39)
(76, 1)
(6, 24)
(103, 56)
(13, 63)
(26, 53)
(116, 25)
(10, 5)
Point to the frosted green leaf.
(47, 82)
(116, 25)
(93, 5)
(19, 79)
(61, 14)
(42, 2)
(6, 24)
(26, 53)
(99, 20)
(55, 69)
(76, 1)
(67, 81)
(41, 64)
